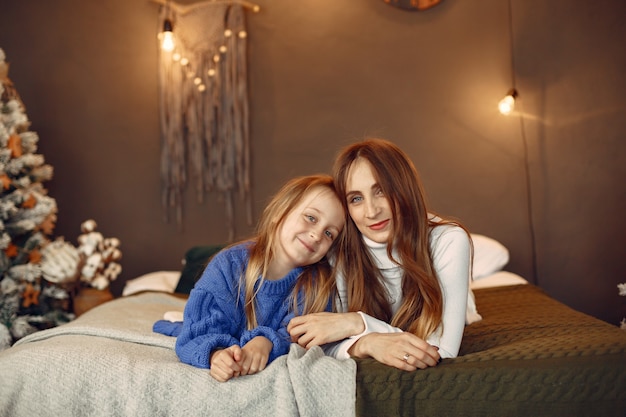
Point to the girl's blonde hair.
(316, 284)
(421, 310)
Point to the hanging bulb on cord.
(167, 36)
(507, 104)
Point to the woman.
(402, 272)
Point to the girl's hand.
(401, 350)
(255, 355)
(320, 328)
(225, 363)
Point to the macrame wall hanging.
(204, 110)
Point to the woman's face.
(369, 208)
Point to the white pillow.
(164, 281)
(498, 279)
(490, 256)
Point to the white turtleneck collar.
(379, 250)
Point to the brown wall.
(325, 72)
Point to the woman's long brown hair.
(422, 306)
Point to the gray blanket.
(108, 362)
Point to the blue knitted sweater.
(214, 315)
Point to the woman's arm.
(336, 332)
(360, 335)
(451, 257)
(387, 344)
(450, 246)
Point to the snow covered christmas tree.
(34, 272)
(41, 279)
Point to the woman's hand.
(320, 328)
(401, 350)
(255, 355)
(225, 363)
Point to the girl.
(403, 273)
(236, 316)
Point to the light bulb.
(167, 36)
(507, 104)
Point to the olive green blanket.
(529, 356)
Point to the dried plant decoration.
(204, 107)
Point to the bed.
(529, 355)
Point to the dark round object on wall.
(413, 4)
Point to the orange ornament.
(15, 145)
(6, 181)
(11, 250)
(30, 202)
(30, 296)
(48, 224)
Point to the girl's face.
(308, 231)
(368, 206)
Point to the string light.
(168, 43)
(167, 36)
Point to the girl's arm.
(211, 319)
(207, 326)
(279, 339)
(275, 312)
